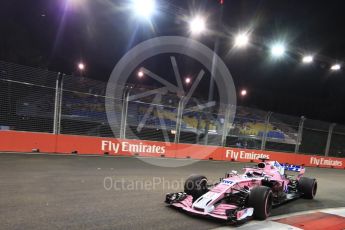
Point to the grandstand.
(89, 111)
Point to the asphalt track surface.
(68, 192)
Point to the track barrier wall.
(14, 141)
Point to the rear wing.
(294, 168)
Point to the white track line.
(340, 210)
(266, 225)
(270, 224)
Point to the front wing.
(222, 211)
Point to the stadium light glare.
(143, 8)
(241, 40)
(243, 92)
(308, 59)
(197, 25)
(278, 50)
(335, 67)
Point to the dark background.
(57, 34)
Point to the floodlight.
(278, 50)
(188, 80)
(335, 67)
(307, 59)
(241, 40)
(140, 74)
(197, 25)
(143, 8)
(81, 66)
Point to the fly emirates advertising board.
(241, 155)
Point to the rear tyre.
(260, 198)
(307, 187)
(196, 186)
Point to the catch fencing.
(39, 100)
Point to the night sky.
(56, 34)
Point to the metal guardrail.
(39, 100)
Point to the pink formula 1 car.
(239, 197)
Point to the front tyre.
(307, 187)
(196, 186)
(260, 198)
